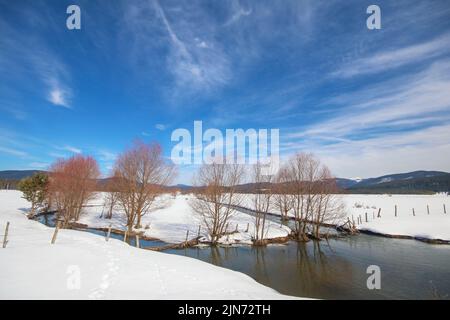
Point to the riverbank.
(172, 220)
(81, 265)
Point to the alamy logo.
(74, 20)
(374, 280)
(374, 20)
(238, 146)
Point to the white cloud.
(27, 55)
(395, 126)
(394, 58)
(237, 13)
(107, 156)
(71, 149)
(13, 152)
(58, 97)
(407, 99)
(160, 127)
(39, 165)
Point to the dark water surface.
(337, 269)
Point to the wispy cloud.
(107, 156)
(13, 152)
(28, 55)
(393, 58)
(410, 98)
(70, 149)
(160, 126)
(237, 13)
(398, 123)
(39, 165)
(58, 97)
(196, 64)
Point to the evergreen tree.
(34, 190)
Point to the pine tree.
(34, 190)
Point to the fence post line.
(109, 232)
(5, 237)
(55, 233)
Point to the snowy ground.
(435, 225)
(172, 217)
(84, 266)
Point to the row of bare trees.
(303, 189)
(137, 177)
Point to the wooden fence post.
(55, 233)
(366, 218)
(5, 237)
(248, 224)
(379, 212)
(414, 212)
(137, 241)
(395, 210)
(445, 210)
(428, 209)
(109, 232)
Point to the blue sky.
(367, 102)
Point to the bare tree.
(139, 173)
(111, 198)
(216, 195)
(311, 192)
(328, 207)
(282, 200)
(72, 184)
(261, 201)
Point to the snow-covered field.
(172, 217)
(85, 266)
(435, 225)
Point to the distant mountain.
(17, 174)
(410, 182)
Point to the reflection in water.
(337, 269)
